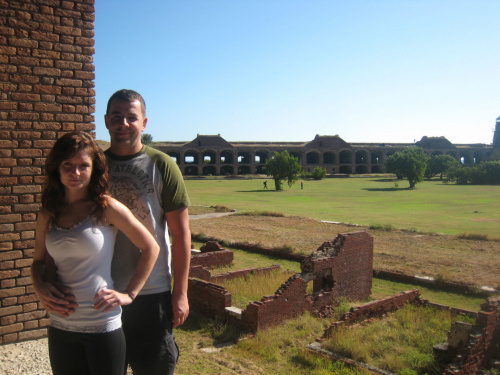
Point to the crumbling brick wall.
(482, 343)
(46, 89)
(375, 309)
(215, 298)
(345, 264)
(289, 301)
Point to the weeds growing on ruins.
(401, 343)
(252, 288)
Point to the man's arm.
(178, 226)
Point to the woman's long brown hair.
(53, 196)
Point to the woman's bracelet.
(130, 295)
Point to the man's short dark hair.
(127, 96)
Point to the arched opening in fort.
(209, 171)
(190, 157)
(361, 157)
(244, 157)
(465, 158)
(361, 169)
(175, 156)
(191, 171)
(261, 157)
(478, 157)
(345, 169)
(208, 157)
(312, 157)
(329, 158)
(226, 170)
(345, 157)
(260, 169)
(376, 157)
(226, 157)
(377, 169)
(244, 169)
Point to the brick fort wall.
(46, 89)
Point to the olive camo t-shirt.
(150, 184)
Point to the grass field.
(432, 207)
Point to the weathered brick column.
(46, 89)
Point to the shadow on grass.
(257, 191)
(386, 189)
(385, 180)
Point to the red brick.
(31, 335)
(13, 218)
(13, 337)
(11, 328)
(10, 310)
(9, 301)
(31, 324)
(6, 320)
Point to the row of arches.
(362, 161)
(260, 157)
(210, 170)
(467, 157)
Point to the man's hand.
(108, 299)
(180, 307)
(56, 298)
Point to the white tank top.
(83, 257)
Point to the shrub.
(484, 173)
(384, 227)
(473, 236)
(318, 173)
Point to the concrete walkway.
(208, 216)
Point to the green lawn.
(431, 207)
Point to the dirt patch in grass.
(447, 257)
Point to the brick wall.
(46, 89)
(340, 268)
(375, 309)
(344, 265)
(482, 343)
(289, 301)
(213, 259)
(208, 298)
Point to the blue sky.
(286, 70)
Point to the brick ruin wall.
(470, 354)
(482, 343)
(352, 253)
(291, 299)
(46, 89)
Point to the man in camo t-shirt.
(150, 184)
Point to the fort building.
(213, 155)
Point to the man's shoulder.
(158, 156)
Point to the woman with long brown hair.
(77, 227)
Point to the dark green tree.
(484, 173)
(146, 138)
(283, 167)
(439, 165)
(318, 173)
(408, 164)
